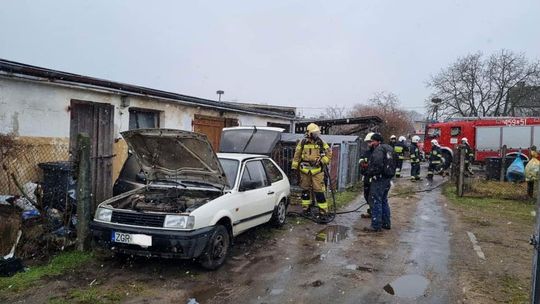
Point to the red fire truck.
(486, 136)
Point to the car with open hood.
(193, 201)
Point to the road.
(408, 264)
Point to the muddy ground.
(425, 258)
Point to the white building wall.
(41, 109)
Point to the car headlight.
(103, 214)
(179, 221)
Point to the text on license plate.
(128, 238)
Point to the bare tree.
(474, 86)
(335, 112)
(396, 121)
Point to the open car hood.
(175, 155)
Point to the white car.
(195, 201)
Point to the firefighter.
(415, 159)
(400, 148)
(435, 158)
(380, 170)
(469, 155)
(311, 154)
(393, 139)
(363, 170)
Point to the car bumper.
(165, 243)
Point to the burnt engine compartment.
(170, 200)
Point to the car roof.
(251, 127)
(240, 156)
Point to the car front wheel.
(217, 249)
(279, 217)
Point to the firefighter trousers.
(399, 166)
(380, 211)
(315, 182)
(415, 170)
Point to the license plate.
(142, 240)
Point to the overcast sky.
(308, 54)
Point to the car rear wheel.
(279, 217)
(217, 249)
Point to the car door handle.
(270, 192)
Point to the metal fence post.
(535, 277)
(461, 174)
(503, 163)
(84, 199)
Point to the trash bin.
(493, 167)
(58, 184)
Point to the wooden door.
(96, 120)
(211, 127)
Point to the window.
(254, 176)
(433, 132)
(230, 166)
(143, 119)
(273, 172)
(455, 131)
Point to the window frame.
(268, 160)
(266, 183)
(136, 111)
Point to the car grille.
(138, 219)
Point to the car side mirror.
(140, 177)
(245, 186)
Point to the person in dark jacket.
(415, 159)
(380, 184)
(435, 159)
(364, 158)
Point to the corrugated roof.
(10, 67)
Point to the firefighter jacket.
(311, 155)
(415, 154)
(399, 150)
(469, 153)
(435, 156)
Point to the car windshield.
(230, 166)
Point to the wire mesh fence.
(22, 158)
(488, 181)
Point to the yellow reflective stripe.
(326, 146)
(294, 165)
(398, 149)
(306, 202)
(323, 205)
(311, 146)
(325, 160)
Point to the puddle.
(332, 234)
(407, 286)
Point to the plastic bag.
(516, 171)
(532, 169)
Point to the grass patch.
(58, 265)
(496, 189)
(344, 198)
(515, 292)
(514, 209)
(99, 295)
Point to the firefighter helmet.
(434, 142)
(415, 139)
(312, 129)
(392, 137)
(368, 136)
(464, 139)
(402, 138)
